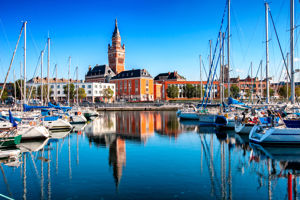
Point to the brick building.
(134, 85)
(116, 52)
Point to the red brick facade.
(116, 52)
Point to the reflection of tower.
(117, 158)
(116, 52)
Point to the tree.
(172, 91)
(72, 91)
(283, 92)
(234, 91)
(108, 93)
(189, 91)
(18, 84)
(81, 93)
(45, 91)
(271, 92)
(4, 95)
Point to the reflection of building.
(166, 123)
(134, 85)
(117, 158)
(102, 125)
(136, 125)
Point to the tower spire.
(116, 31)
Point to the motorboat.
(279, 135)
(76, 117)
(8, 153)
(32, 145)
(33, 131)
(56, 123)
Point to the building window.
(89, 86)
(136, 86)
(83, 86)
(58, 86)
(95, 86)
(58, 92)
(89, 92)
(52, 86)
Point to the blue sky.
(159, 36)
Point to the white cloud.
(296, 59)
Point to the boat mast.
(292, 51)
(267, 53)
(15, 89)
(210, 62)
(77, 85)
(200, 77)
(251, 85)
(221, 71)
(223, 64)
(69, 81)
(287, 80)
(55, 82)
(261, 77)
(42, 79)
(25, 62)
(21, 83)
(48, 71)
(228, 47)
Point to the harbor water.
(149, 155)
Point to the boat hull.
(34, 132)
(10, 141)
(275, 135)
(243, 128)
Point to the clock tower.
(116, 52)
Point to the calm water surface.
(149, 155)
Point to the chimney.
(90, 67)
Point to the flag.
(12, 120)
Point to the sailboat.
(289, 132)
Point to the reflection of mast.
(223, 171)
(229, 174)
(49, 176)
(269, 181)
(42, 176)
(57, 158)
(5, 180)
(24, 178)
(209, 165)
(77, 150)
(70, 168)
(117, 158)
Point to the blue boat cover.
(51, 118)
(27, 108)
(59, 107)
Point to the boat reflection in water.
(286, 157)
(135, 155)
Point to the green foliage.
(19, 84)
(81, 93)
(189, 91)
(108, 93)
(45, 92)
(271, 92)
(4, 95)
(172, 91)
(283, 91)
(72, 91)
(234, 91)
